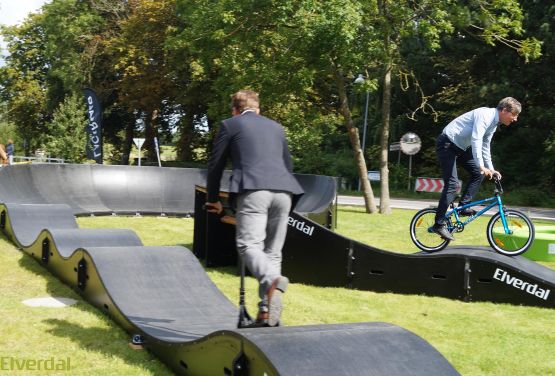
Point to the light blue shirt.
(475, 129)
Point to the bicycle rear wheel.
(521, 235)
(421, 231)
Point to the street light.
(359, 80)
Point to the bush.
(529, 196)
(67, 136)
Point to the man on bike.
(466, 140)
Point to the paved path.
(534, 213)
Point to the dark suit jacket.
(259, 155)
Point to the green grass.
(477, 338)
(168, 153)
(376, 230)
(94, 343)
(522, 196)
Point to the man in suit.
(262, 187)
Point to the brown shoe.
(262, 317)
(275, 305)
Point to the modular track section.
(463, 272)
(163, 295)
(100, 189)
(315, 255)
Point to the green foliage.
(45, 62)
(7, 129)
(67, 137)
(398, 177)
(146, 83)
(317, 144)
(547, 160)
(461, 76)
(25, 112)
(70, 30)
(530, 196)
(173, 64)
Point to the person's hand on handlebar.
(490, 173)
(214, 207)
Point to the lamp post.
(359, 80)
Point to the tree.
(399, 21)
(306, 42)
(293, 52)
(464, 74)
(67, 137)
(44, 64)
(7, 129)
(23, 84)
(174, 63)
(146, 84)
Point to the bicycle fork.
(503, 217)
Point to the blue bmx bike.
(509, 232)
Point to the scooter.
(245, 320)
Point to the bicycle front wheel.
(520, 237)
(421, 231)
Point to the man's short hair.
(245, 100)
(510, 104)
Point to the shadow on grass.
(347, 209)
(95, 339)
(111, 342)
(54, 286)
(106, 342)
(189, 246)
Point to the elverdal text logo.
(10, 363)
(301, 226)
(532, 289)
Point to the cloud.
(13, 12)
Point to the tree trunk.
(369, 200)
(384, 11)
(384, 142)
(186, 126)
(151, 131)
(128, 142)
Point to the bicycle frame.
(494, 201)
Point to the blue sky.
(14, 11)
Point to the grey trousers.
(262, 220)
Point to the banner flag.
(94, 126)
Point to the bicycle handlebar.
(497, 181)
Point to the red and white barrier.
(431, 185)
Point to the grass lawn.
(477, 338)
(93, 343)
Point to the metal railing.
(39, 159)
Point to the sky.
(13, 12)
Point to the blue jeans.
(449, 155)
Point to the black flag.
(94, 126)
